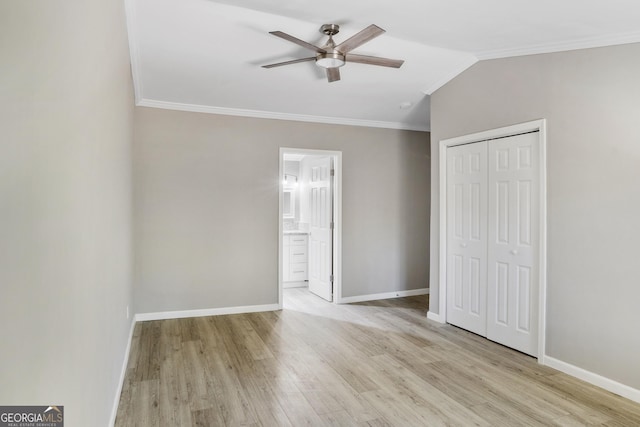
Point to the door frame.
(337, 216)
(532, 126)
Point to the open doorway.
(310, 217)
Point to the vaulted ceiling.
(206, 55)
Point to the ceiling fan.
(332, 56)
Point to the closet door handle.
(514, 251)
(463, 245)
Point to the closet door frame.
(532, 126)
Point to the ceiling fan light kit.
(331, 56)
(330, 60)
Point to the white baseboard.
(384, 295)
(123, 372)
(290, 285)
(593, 378)
(435, 317)
(143, 317)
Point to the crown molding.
(194, 108)
(585, 43)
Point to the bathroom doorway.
(310, 213)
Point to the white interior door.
(493, 239)
(512, 307)
(467, 236)
(320, 228)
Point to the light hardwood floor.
(379, 363)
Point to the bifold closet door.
(467, 237)
(492, 239)
(513, 230)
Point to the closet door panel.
(512, 285)
(467, 236)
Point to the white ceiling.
(205, 55)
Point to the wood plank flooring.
(314, 363)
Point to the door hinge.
(331, 278)
(333, 172)
(331, 225)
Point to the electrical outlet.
(127, 312)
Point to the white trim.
(535, 125)
(123, 372)
(446, 78)
(294, 157)
(531, 126)
(435, 317)
(442, 193)
(180, 314)
(542, 238)
(593, 378)
(293, 285)
(384, 295)
(337, 230)
(337, 216)
(130, 16)
(276, 116)
(585, 43)
(280, 226)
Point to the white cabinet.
(295, 262)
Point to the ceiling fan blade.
(371, 32)
(294, 61)
(333, 74)
(297, 41)
(374, 60)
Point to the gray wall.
(590, 99)
(66, 128)
(206, 236)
